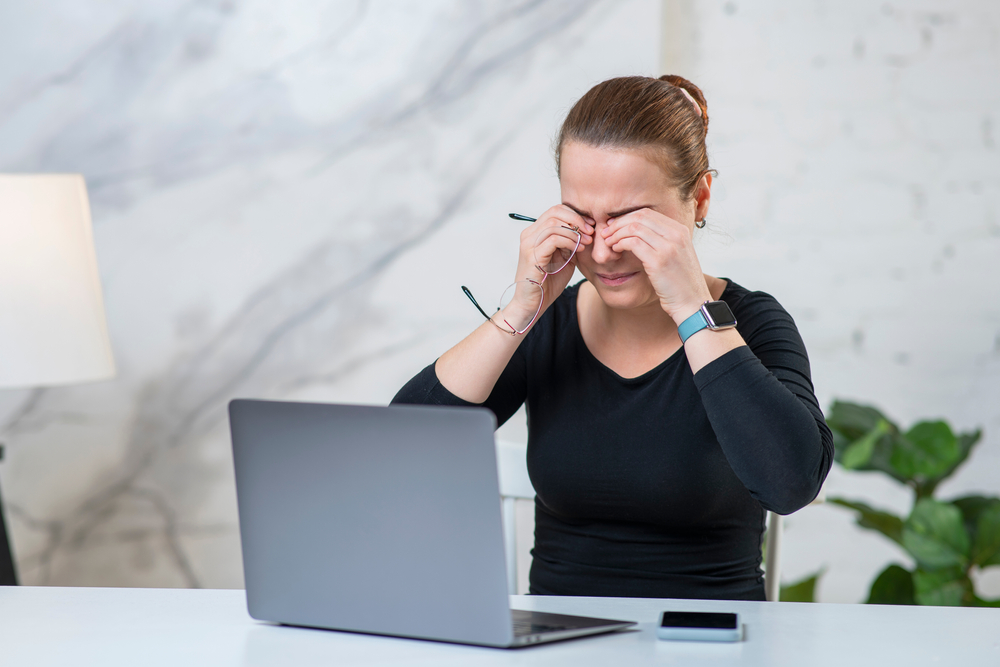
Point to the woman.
(656, 440)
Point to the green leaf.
(972, 506)
(926, 450)
(840, 443)
(935, 535)
(801, 591)
(894, 585)
(853, 420)
(922, 458)
(852, 423)
(859, 452)
(947, 587)
(986, 541)
(889, 525)
(966, 441)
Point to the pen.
(518, 216)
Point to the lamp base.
(8, 575)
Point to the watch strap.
(692, 325)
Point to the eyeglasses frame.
(545, 274)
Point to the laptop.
(381, 520)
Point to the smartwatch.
(714, 315)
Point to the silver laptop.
(383, 520)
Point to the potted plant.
(947, 539)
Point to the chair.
(515, 485)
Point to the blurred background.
(287, 196)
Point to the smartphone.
(700, 626)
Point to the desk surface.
(120, 626)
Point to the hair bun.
(693, 90)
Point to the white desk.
(111, 627)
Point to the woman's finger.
(635, 230)
(536, 234)
(644, 252)
(659, 223)
(565, 229)
(556, 249)
(568, 215)
(564, 215)
(560, 231)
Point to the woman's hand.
(666, 250)
(545, 245)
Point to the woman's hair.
(646, 114)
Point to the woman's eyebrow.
(582, 214)
(616, 214)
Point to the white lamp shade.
(52, 325)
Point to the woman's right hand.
(545, 245)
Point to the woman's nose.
(599, 250)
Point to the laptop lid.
(383, 520)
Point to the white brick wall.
(860, 184)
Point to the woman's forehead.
(611, 182)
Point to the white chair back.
(515, 485)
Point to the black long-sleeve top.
(656, 486)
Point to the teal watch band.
(692, 325)
(714, 315)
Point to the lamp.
(52, 325)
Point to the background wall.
(860, 184)
(287, 197)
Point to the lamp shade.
(52, 325)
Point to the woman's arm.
(479, 370)
(471, 369)
(507, 396)
(754, 380)
(759, 399)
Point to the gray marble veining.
(282, 195)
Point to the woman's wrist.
(688, 308)
(514, 318)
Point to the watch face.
(719, 314)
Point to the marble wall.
(287, 197)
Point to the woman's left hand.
(666, 250)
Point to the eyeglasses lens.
(527, 296)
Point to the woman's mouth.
(613, 279)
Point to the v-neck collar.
(639, 379)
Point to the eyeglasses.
(528, 291)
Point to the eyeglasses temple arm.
(474, 302)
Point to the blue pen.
(518, 216)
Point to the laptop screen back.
(372, 519)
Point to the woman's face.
(601, 184)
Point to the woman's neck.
(640, 325)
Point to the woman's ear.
(703, 196)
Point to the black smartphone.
(706, 626)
